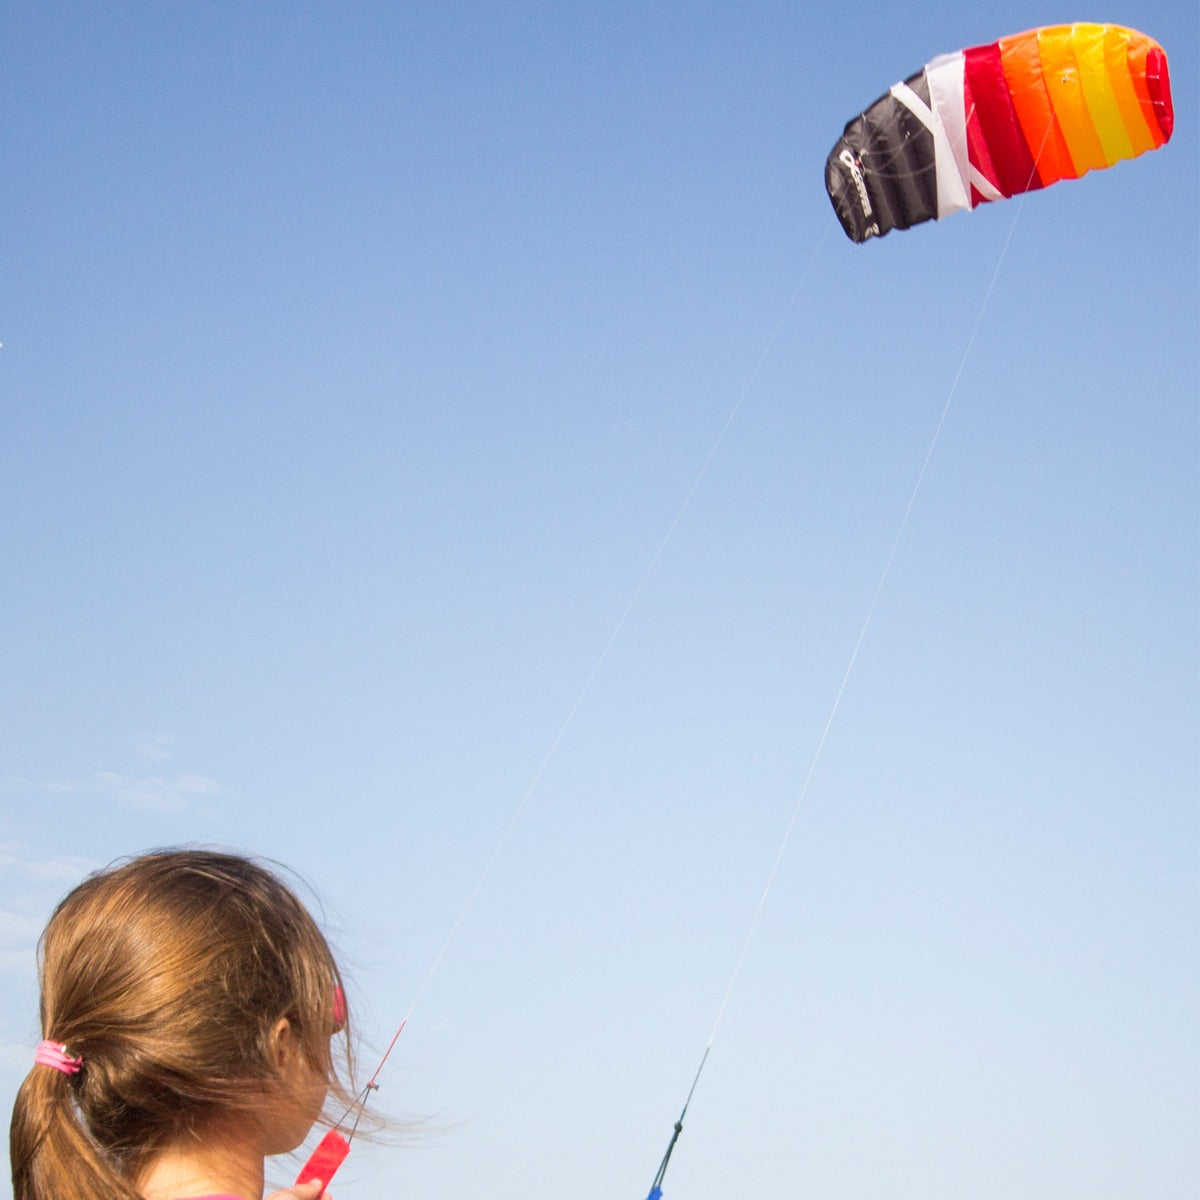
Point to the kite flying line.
(656, 1187)
(333, 1148)
(618, 627)
(854, 229)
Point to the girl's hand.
(314, 1189)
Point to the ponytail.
(52, 1154)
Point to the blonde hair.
(166, 975)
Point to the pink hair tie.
(54, 1054)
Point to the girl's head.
(195, 989)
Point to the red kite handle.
(330, 1153)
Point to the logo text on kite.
(850, 161)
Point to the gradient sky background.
(358, 359)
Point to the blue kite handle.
(655, 1194)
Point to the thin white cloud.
(148, 793)
(60, 870)
(154, 793)
(150, 748)
(147, 788)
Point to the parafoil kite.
(997, 120)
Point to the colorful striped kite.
(997, 120)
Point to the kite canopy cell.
(997, 120)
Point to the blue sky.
(358, 362)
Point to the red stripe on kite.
(1013, 169)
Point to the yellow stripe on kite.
(1062, 75)
(1116, 55)
(1098, 93)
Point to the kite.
(998, 120)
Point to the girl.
(188, 1002)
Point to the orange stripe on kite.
(1022, 64)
